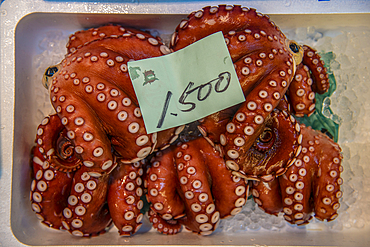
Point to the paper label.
(186, 85)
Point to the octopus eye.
(266, 136)
(51, 71)
(326, 132)
(294, 47)
(266, 140)
(296, 51)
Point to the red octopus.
(98, 135)
(252, 135)
(94, 149)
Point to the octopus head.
(273, 149)
(296, 50)
(49, 74)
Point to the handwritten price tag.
(186, 85)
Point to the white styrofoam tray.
(20, 115)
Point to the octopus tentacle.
(56, 146)
(301, 95)
(85, 130)
(226, 18)
(311, 76)
(296, 186)
(189, 184)
(250, 117)
(326, 187)
(49, 191)
(318, 72)
(87, 212)
(168, 227)
(229, 191)
(194, 168)
(201, 213)
(124, 197)
(162, 183)
(268, 196)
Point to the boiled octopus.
(89, 156)
(279, 78)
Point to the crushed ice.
(349, 105)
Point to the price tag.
(186, 85)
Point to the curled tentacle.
(75, 201)
(317, 70)
(54, 144)
(309, 78)
(124, 197)
(301, 96)
(168, 227)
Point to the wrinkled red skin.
(190, 185)
(311, 77)
(311, 186)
